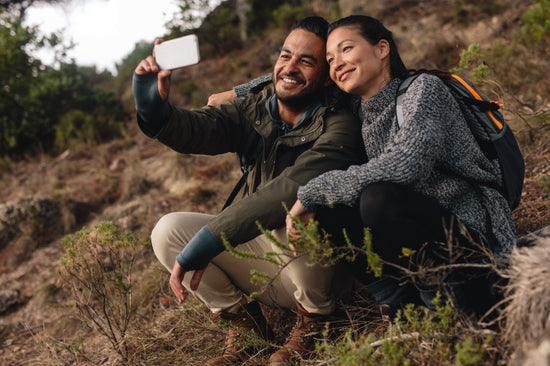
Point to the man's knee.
(173, 231)
(163, 229)
(160, 238)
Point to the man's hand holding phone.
(167, 56)
(149, 65)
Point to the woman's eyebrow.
(344, 41)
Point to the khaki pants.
(227, 278)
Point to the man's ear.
(383, 48)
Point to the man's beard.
(299, 102)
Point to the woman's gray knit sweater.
(433, 151)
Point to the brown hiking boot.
(250, 318)
(301, 341)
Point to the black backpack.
(493, 135)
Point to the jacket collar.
(284, 128)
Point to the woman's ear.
(383, 48)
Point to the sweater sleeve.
(243, 89)
(407, 158)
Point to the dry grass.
(527, 311)
(188, 334)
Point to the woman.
(423, 180)
(426, 182)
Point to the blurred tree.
(260, 16)
(18, 8)
(17, 70)
(243, 7)
(229, 24)
(125, 69)
(34, 98)
(190, 14)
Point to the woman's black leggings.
(400, 217)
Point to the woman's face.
(356, 66)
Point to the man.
(301, 136)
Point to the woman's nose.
(337, 63)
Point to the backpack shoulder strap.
(399, 100)
(235, 190)
(253, 147)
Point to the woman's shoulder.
(428, 80)
(428, 86)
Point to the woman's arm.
(237, 91)
(408, 158)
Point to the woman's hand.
(298, 211)
(219, 98)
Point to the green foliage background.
(43, 108)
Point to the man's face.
(301, 70)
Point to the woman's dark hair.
(374, 31)
(316, 25)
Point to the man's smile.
(291, 80)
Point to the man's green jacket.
(330, 140)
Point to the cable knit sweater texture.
(433, 151)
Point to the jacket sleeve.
(338, 146)
(208, 130)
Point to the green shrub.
(467, 10)
(418, 336)
(536, 30)
(77, 126)
(507, 70)
(220, 31)
(98, 269)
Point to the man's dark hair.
(316, 25)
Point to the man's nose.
(292, 65)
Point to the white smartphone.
(178, 52)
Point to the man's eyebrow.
(303, 55)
